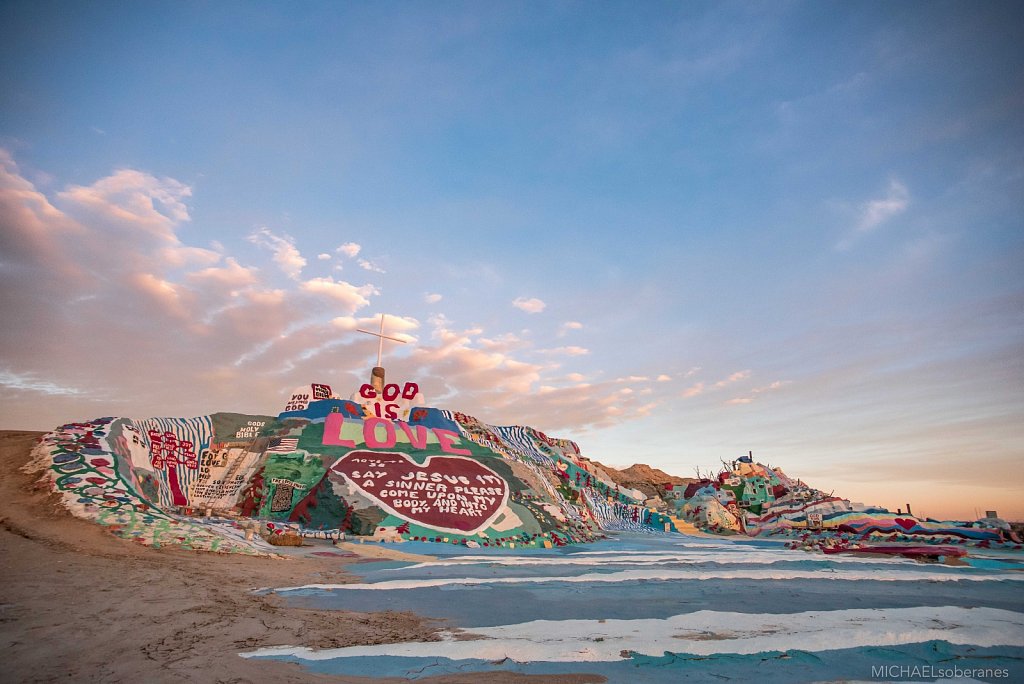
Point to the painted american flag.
(283, 445)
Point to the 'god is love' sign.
(448, 493)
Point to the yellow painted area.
(684, 527)
(381, 551)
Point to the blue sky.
(792, 228)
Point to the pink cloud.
(231, 275)
(694, 390)
(349, 249)
(567, 326)
(734, 378)
(532, 305)
(778, 384)
(699, 388)
(153, 322)
(571, 350)
(171, 297)
(286, 254)
(134, 198)
(163, 327)
(368, 265)
(350, 296)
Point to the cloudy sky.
(673, 232)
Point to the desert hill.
(651, 481)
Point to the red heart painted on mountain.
(906, 524)
(448, 493)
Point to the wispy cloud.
(399, 327)
(135, 198)
(349, 249)
(231, 275)
(432, 298)
(571, 350)
(201, 322)
(698, 388)
(693, 390)
(874, 213)
(733, 378)
(753, 394)
(505, 343)
(350, 296)
(393, 323)
(567, 326)
(368, 265)
(286, 254)
(531, 305)
(27, 382)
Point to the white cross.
(381, 337)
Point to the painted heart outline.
(452, 494)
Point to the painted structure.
(329, 466)
(758, 500)
(383, 465)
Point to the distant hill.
(650, 481)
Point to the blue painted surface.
(467, 598)
(926, 660)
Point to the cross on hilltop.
(377, 375)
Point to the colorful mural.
(447, 493)
(104, 471)
(392, 401)
(334, 464)
(342, 466)
(758, 500)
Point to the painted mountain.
(328, 467)
(391, 469)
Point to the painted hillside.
(382, 465)
(757, 500)
(386, 468)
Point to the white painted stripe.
(684, 574)
(742, 556)
(703, 633)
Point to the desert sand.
(79, 604)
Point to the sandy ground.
(79, 604)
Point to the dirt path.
(79, 604)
